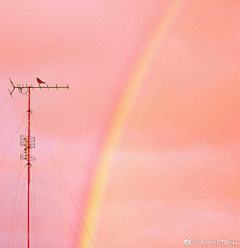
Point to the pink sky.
(175, 173)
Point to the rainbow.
(120, 117)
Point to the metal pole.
(28, 164)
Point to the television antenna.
(27, 141)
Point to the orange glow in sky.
(147, 138)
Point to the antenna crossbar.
(21, 87)
(42, 87)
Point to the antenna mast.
(27, 141)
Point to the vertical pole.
(28, 164)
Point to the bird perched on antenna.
(40, 81)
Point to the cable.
(14, 205)
(11, 188)
(58, 208)
(19, 174)
(65, 183)
(20, 202)
(34, 209)
(19, 210)
(13, 139)
(33, 221)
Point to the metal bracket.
(12, 86)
